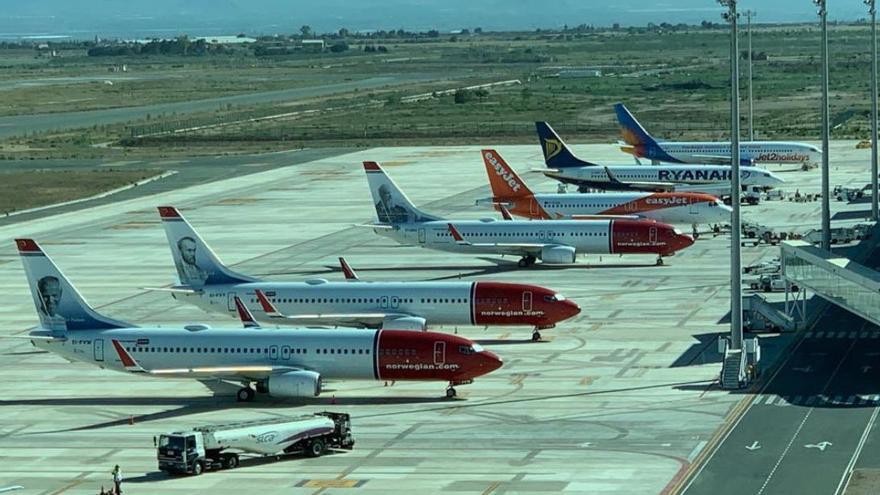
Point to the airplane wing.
(613, 183)
(250, 372)
(381, 226)
(176, 290)
(363, 320)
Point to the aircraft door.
(694, 208)
(285, 352)
(422, 236)
(533, 206)
(527, 301)
(99, 349)
(230, 301)
(383, 302)
(652, 235)
(395, 301)
(439, 353)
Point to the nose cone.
(681, 241)
(723, 213)
(569, 309)
(489, 362)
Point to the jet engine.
(405, 323)
(302, 383)
(557, 254)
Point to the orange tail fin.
(505, 183)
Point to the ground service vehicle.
(214, 446)
(771, 283)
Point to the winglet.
(505, 213)
(127, 360)
(456, 235)
(611, 177)
(268, 307)
(349, 272)
(244, 314)
(372, 167)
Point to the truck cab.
(181, 452)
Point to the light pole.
(736, 333)
(873, 11)
(749, 14)
(826, 200)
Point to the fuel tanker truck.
(218, 446)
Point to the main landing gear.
(526, 261)
(245, 394)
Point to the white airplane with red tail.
(206, 282)
(283, 362)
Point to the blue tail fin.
(633, 133)
(59, 305)
(556, 153)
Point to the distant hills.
(138, 18)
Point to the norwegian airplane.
(284, 362)
(640, 144)
(551, 241)
(207, 283)
(565, 167)
(511, 192)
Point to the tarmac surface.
(620, 399)
(19, 124)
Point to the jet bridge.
(838, 280)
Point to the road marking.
(847, 473)
(754, 446)
(821, 445)
(696, 451)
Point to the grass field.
(24, 190)
(676, 82)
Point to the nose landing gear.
(659, 261)
(536, 335)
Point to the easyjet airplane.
(284, 362)
(206, 282)
(511, 192)
(551, 241)
(640, 144)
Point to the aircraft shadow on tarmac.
(215, 403)
(852, 215)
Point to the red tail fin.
(504, 181)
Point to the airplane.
(510, 192)
(552, 241)
(565, 167)
(284, 362)
(207, 283)
(640, 144)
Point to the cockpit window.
(554, 298)
(477, 348)
(469, 349)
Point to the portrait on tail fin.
(187, 266)
(387, 210)
(50, 291)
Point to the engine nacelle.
(405, 323)
(302, 383)
(557, 254)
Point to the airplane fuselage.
(349, 354)
(687, 175)
(750, 151)
(617, 236)
(439, 303)
(672, 208)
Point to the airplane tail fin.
(556, 152)
(59, 305)
(197, 265)
(503, 180)
(632, 131)
(392, 204)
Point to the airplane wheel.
(536, 336)
(450, 393)
(659, 261)
(245, 394)
(523, 263)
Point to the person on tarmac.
(117, 480)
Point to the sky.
(140, 18)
